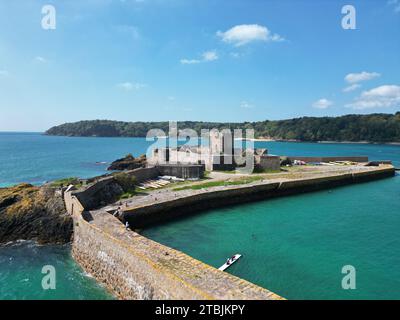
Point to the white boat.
(229, 262)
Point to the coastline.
(108, 238)
(320, 142)
(394, 143)
(261, 139)
(102, 245)
(360, 142)
(375, 156)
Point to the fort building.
(218, 153)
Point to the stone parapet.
(177, 204)
(134, 267)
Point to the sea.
(300, 247)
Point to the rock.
(33, 213)
(128, 163)
(108, 193)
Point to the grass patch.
(126, 181)
(211, 184)
(265, 171)
(128, 194)
(207, 174)
(65, 182)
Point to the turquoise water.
(294, 246)
(21, 275)
(35, 158)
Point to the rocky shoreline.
(39, 213)
(34, 213)
(129, 162)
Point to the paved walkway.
(167, 194)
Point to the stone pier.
(134, 267)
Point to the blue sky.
(211, 60)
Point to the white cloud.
(380, 97)
(129, 86)
(246, 105)
(322, 103)
(352, 87)
(210, 55)
(171, 98)
(190, 61)
(395, 4)
(40, 59)
(205, 57)
(362, 76)
(4, 73)
(243, 34)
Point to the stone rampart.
(134, 267)
(98, 193)
(198, 200)
(143, 174)
(329, 159)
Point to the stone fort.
(218, 152)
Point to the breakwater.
(134, 267)
(328, 159)
(176, 204)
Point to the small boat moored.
(229, 262)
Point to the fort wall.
(328, 159)
(143, 174)
(182, 171)
(198, 200)
(134, 267)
